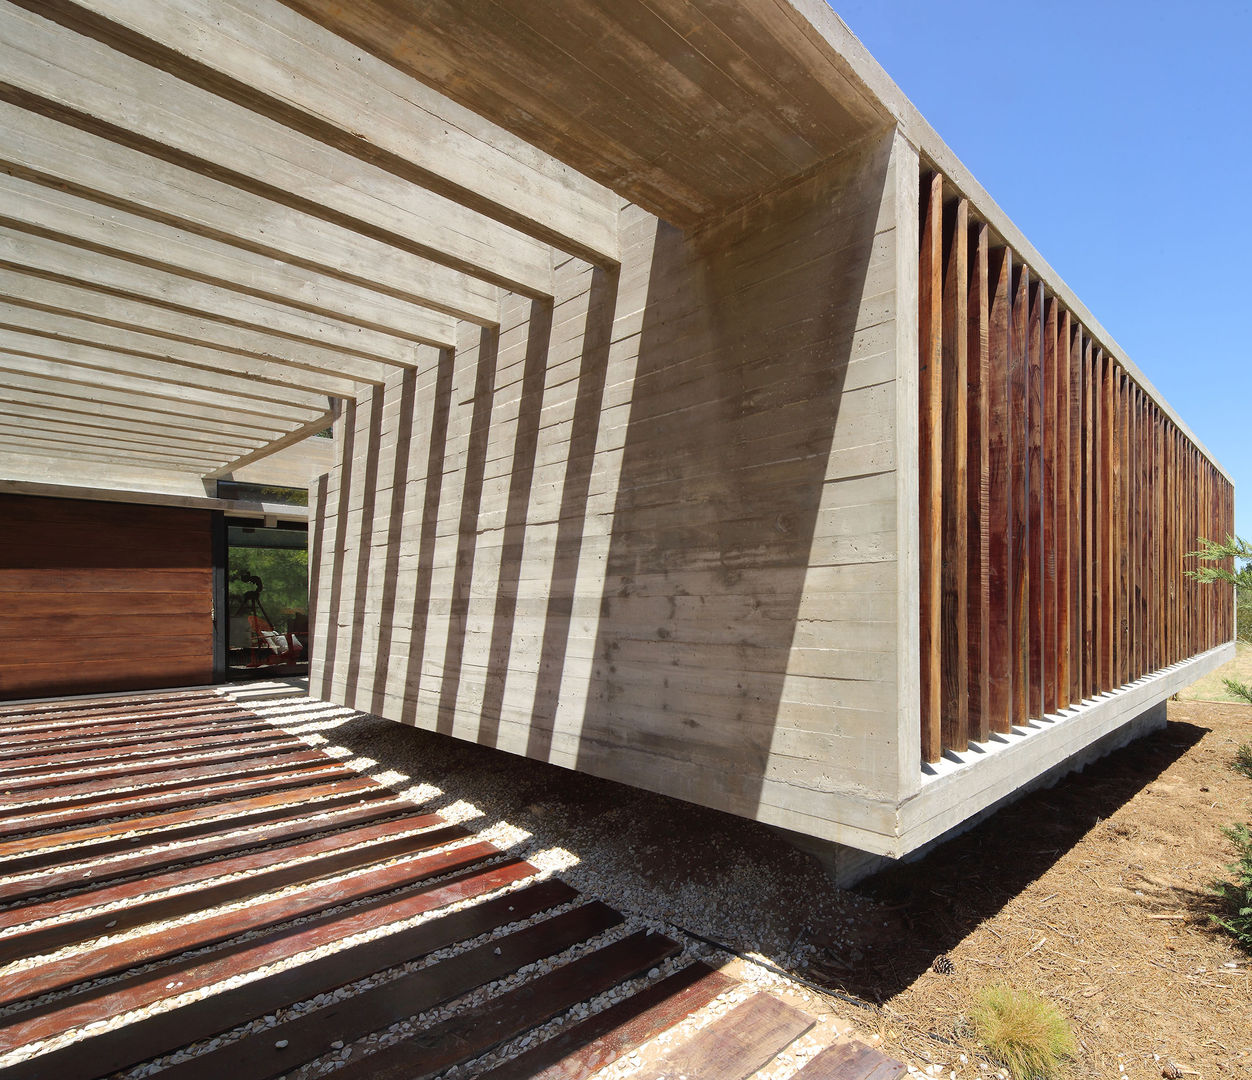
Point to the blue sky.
(1118, 136)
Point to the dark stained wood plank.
(328, 818)
(1038, 654)
(188, 824)
(38, 765)
(134, 1042)
(583, 1049)
(1122, 518)
(89, 777)
(747, 1038)
(108, 959)
(852, 1060)
(35, 820)
(269, 871)
(954, 622)
(978, 572)
(1000, 494)
(19, 754)
(930, 461)
(105, 721)
(69, 707)
(1064, 560)
(90, 793)
(309, 1035)
(1019, 384)
(1050, 611)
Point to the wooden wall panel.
(1068, 501)
(98, 596)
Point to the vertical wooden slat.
(1107, 508)
(1091, 533)
(1049, 659)
(1121, 455)
(930, 458)
(979, 384)
(1133, 532)
(954, 650)
(1034, 479)
(1077, 556)
(1019, 406)
(1000, 434)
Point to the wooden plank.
(108, 959)
(39, 748)
(1108, 453)
(127, 703)
(852, 1060)
(43, 764)
(1038, 654)
(1050, 420)
(954, 485)
(477, 1030)
(326, 858)
(978, 574)
(1000, 523)
(329, 819)
(90, 777)
(1077, 518)
(107, 1051)
(41, 819)
(930, 463)
(307, 1036)
(1019, 383)
(1091, 504)
(49, 850)
(1121, 518)
(55, 716)
(732, 1048)
(1064, 560)
(95, 722)
(579, 1051)
(80, 903)
(237, 766)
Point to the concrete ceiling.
(217, 215)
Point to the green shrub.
(1022, 1031)
(1236, 896)
(1243, 760)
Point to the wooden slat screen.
(1058, 502)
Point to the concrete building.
(703, 425)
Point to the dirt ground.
(1093, 893)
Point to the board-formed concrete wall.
(651, 530)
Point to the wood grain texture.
(1019, 412)
(1000, 549)
(1038, 653)
(954, 665)
(978, 569)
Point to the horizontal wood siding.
(648, 530)
(1094, 499)
(99, 596)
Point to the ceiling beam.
(137, 343)
(190, 438)
(83, 373)
(274, 61)
(67, 218)
(61, 157)
(32, 393)
(347, 350)
(45, 433)
(299, 435)
(34, 343)
(75, 79)
(78, 452)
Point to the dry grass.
(1213, 686)
(1022, 1031)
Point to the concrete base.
(847, 866)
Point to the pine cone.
(1171, 1071)
(943, 965)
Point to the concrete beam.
(64, 262)
(66, 218)
(284, 66)
(58, 156)
(186, 438)
(298, 435)
(75, 79)
(139, 343)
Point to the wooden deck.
(184, 883)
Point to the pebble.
(281, 1044)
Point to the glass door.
(267, 599)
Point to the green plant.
(1243, 760)
(1232, 551)
(1022, 1031)
(1236, 896)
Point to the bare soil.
(1095, 894)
